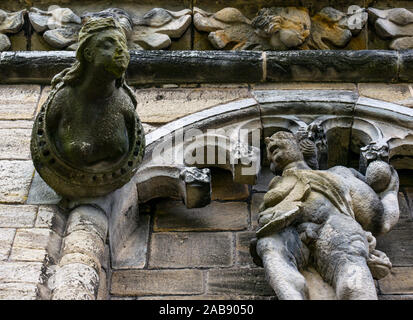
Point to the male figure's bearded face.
(282, 149)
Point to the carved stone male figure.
(326, 218)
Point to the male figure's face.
(282, 149)
(108, 49)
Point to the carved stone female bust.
(87, 139)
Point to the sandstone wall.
(197, 253)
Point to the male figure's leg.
(341, 258)
(283, 254)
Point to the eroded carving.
(394, 24)
(58, 26)
(10, 22)
(375, 151)
(281, 28)
(324, 218)
(154, 30)
(87, 139)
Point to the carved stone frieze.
(58, 26)
(154, 30)
(394, 24)
(10, 22)
(281, 28)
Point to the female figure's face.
(108, 50)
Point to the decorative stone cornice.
(165, 67)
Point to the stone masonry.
(192, 253)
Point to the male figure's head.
(282, 149)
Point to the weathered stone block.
(157, 282)
(16, 124)
(88, 219)
(409, 198)
(37, 43)
(28, 254)
(82, 258)
(257, 200)
(398, 244)
(399, 281)
(18, 291)
(17, 216)
(165, 105)
(15, 178)
(149, 127)
(194, 66)
(103, 288)
(50, 217)
(18, 101)
(243, 248)
(15, 144)
(174, 216)
(396, 93)
(43, 97)
(178, 250)
(41, 193)
(406, 66)
(30, 272)
(84, 242)
(264, 178)
(75, 282)
(6, 240)
(33, 67)
(334, 65)
(18, 41)
(34, 244)
(395, 297)
(224, 187)
(238, 282)
(304, 86)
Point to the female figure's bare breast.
(90, 133)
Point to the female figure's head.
(102, 50)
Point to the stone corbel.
(401, 152)
(9, 23)
(189, 184)
(216, 150)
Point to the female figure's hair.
(90, 29)
(74, 74)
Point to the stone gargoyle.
(87, 139)
(324, 219)
(280, 28)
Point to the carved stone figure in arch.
(324, 218)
